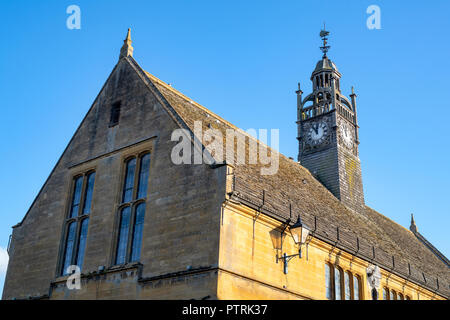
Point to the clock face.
(317, 133)
(346, 135)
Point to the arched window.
(356, 287)
(320, 96)
(408, 298)
(129, 180)
(77, 221)
(393, 295)
(137, 232)
(82, 241)
(123, 235)
(328, 282)
(88, 193)
(385, 293)
(347, 287)
(374, 294)
(143, 176)
(337, 284)
(70, 244)
(132, 213)
(76, 197)
(400, 296)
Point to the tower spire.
(127, 48)
(324, 34)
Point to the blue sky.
(242, 60)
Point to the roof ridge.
(386, 217)
(181, 95)
(418, 236)
(432, 248)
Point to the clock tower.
(328, 133)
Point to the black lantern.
(300, 234)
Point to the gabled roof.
(293, 190)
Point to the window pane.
(68, 250)
(400, 296)
(347, 286)
(129, 181)
(76, 197)
(355, 287)
(392, 295)
(88, 193)
(123, 235)
(137, 232)
(337, 284)
(143, 176)
(385, 294)
(82, 242)
(328, 286)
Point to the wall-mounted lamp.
(299, 233)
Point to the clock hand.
(316, 128)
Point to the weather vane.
(323, 34)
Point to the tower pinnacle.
(413, 226)
(127, 48)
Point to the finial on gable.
(127, 48)
(413, 226)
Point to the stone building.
(117, 211)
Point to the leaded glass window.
(77, 221)
(337, 284)
(328, 282)
(137, 232)
(132, 209)
(123, 235)
(70, 243)
(356, 287)
(347, 288)
(76, 198)
(88, 193)
(143, 176)
(129, 180)
(82, 242)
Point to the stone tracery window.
(77, 221)
(132, 209)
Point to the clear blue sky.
(242, 60)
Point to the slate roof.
(325, 64)
(293, 190)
